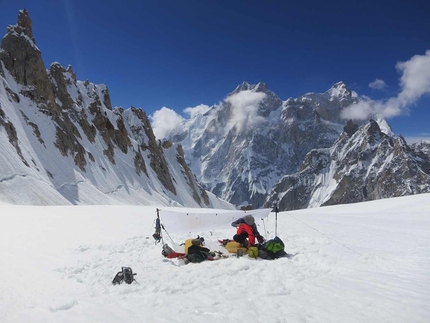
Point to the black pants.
(240, 237)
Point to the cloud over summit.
(245, 108)
(414, 83)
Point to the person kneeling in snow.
(247, 229)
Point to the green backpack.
(272, 249)
(273, 246)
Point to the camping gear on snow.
(170, 253)
(157, 235)
(233, 246)
(252, 252)
(125, 275)
(198, 253)
(166, 250)
(239, 253)
(272, 249)
(177, 221)
(189, 242)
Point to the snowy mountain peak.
(385, 127)
(261, 87)
(339, 91)
(245, 86)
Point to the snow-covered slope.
(366, 262)
(62, 143)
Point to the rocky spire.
(23, 60)
(24, 25)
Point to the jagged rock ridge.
(62, 141)
(363, 164)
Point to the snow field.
(365, 262)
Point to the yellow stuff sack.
(232, 247)
(188, 244)
(253, 252)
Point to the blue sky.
(181, 54)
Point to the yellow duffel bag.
(232, 247)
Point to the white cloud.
(420, 137)
(378, 84)
(414, 83)
(200, 109)
(163, 121)
(245, 109)
(415, 80)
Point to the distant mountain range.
(256, 149)
(63, 143)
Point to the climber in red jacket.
(244, 235)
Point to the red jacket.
(247, 229)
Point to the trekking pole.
(276, 220)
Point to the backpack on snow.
(198, 254)
(272, 249)
(126, 275)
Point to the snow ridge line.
(71, 184)
(9, 178)
(119, 187)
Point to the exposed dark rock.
(91, 157)
(89, 129)
(60, 83)
(350, 128)
(157, 161)
(139, 163)
(67, 142)
(106, 99)
(121, 138)
(192, 183)
(49, 174)
(13, 139)
(35, 128)
(12, 95)
(23, 60)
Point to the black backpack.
(126, 275)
